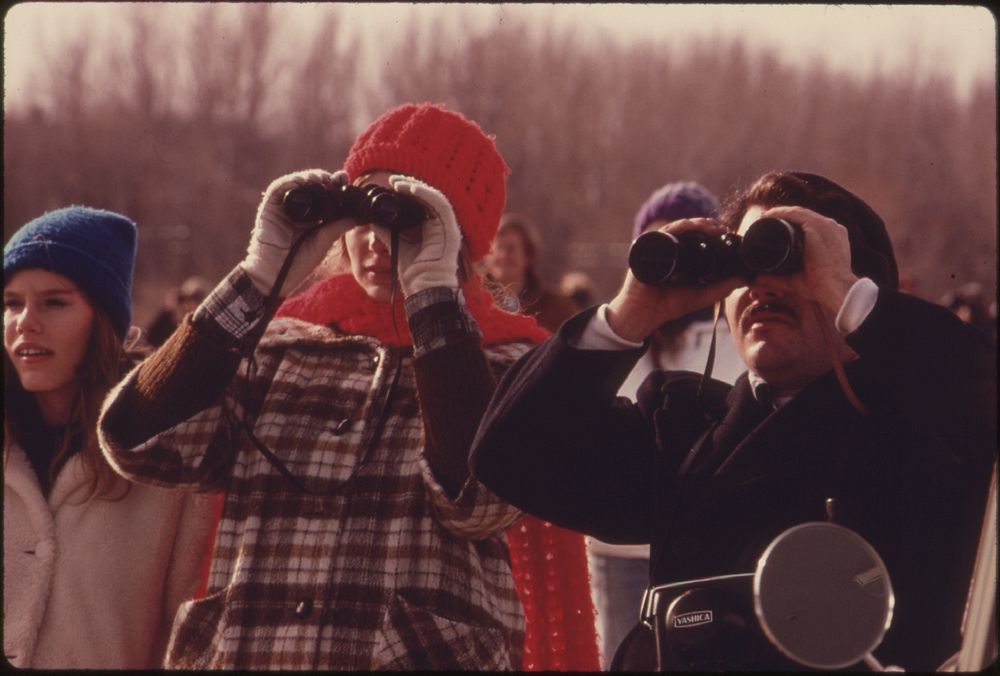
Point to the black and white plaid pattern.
(373, 566)
(233, 309)
(436, 317)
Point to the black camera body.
(366, 204)
(769, 245)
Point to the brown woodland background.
(182, 131)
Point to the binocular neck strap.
(710, 362)
(274, 297)
(271, 304)
(838, 367)
(394, 264)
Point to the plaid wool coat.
(372, 565)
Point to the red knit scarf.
(342, 302)
(549, 564)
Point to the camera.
(368, 204)
(769, 245)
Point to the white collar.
(762, 392)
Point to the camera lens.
(772, 245)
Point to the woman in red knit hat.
(352, 535)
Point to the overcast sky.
(958, 41)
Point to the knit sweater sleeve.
(454, 384)
(184, 376)
(163, 423)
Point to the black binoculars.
(366, 204)
(769, 245)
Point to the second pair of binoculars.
(369, 203)
(769, 245)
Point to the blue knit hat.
(685, 199)
(92, 247)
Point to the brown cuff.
(454, 384)
(185, 375)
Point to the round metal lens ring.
(777, 554)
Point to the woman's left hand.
(428, 255)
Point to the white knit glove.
(274, 232)
(428, 256)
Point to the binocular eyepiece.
(769, 245)
(366, 204)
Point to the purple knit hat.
(685, 199)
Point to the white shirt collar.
(762, 392)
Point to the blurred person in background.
(867, 407)
(579, 288)
(94, 568)
(620, 573)
(512, 265)
(353, 536)
(969, 303)
(180, 301)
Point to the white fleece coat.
(95, 585)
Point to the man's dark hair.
(871, 249)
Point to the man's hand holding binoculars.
(691, 263)
(640, 308)
(826, 274)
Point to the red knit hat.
(449, 152)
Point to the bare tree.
(321, 98)
(182, 130)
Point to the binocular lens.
(659, 257)
(370, 204)
(390, 209)
(772, 245)
(769, 245)
(304, 203)
(384, 208)
(653, 257)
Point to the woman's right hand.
(639, 309)
(274, 233)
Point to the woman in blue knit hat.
(94, 567)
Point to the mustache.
(772, 307)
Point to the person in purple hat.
(682, 343)
(619, 572)
(94, 567)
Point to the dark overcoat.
(708, 484)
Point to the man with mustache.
(860, 405)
